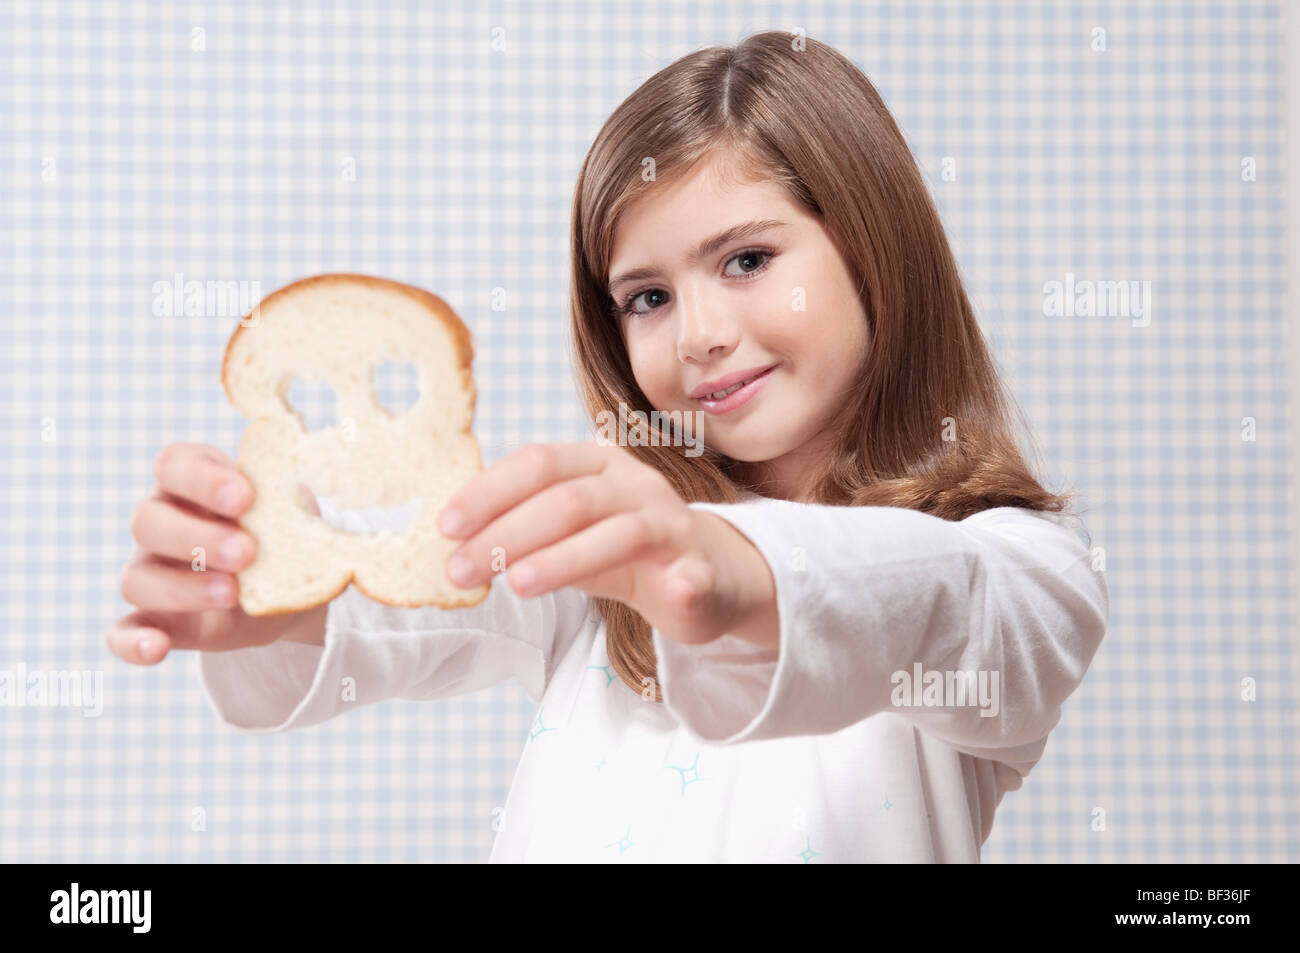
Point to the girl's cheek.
(662, 369)
(651, 362)
(782, 326)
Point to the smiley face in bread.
(337, 329)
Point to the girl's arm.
(866, 595)
(373, 651)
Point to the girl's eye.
(627, 306)
(749, 255)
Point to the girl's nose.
(703, 327)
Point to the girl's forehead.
(678, 211)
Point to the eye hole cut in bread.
(370, 461)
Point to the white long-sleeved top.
(814, 751)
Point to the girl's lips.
(738, 398)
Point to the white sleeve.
(865, 593)
(374, 651)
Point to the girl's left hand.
(592, 516)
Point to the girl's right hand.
(199, 494)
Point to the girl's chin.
(743, 452)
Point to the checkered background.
(267, 142)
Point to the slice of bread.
(336, 329)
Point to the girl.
(841, 633)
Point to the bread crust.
(436, 305)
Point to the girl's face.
(707, 301)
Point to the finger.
(219, 455)
(595, 556)
(514, 479)
(190, 471)
(153, 585)
(547, 517)
(139, 638)
(305, 496)
(695, 605)
(145, 636)
(164, 529)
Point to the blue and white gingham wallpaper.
(438, 145)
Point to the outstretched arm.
(870, 601)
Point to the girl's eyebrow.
(706, 247)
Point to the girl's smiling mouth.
(737, 395)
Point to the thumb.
(693, 597)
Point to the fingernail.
(220, 593)
(451, 522)
(146, 647)
(230, 496)
(233, 551)
(459, 569)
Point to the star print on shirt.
(538, 727)
(689, 775)
(609, 676)
(624, 842)
(808, 853)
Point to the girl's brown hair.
(928, 426)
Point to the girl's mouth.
(738, 395)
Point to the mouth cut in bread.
(336, 329)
